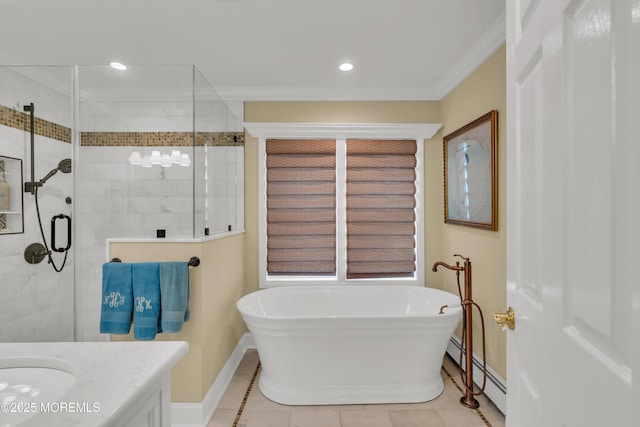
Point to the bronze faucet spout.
(456, 267)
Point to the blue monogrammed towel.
(117, 298)
(146, 297)
(174, 292)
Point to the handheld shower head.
(64, 166)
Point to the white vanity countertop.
(111, 375)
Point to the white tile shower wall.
(132, 116)
(37, 303)
(21, 85)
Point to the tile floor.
(243, 405)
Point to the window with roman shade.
(344, 209)
(381, 202)
(301, 207)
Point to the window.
(381, 208)
(341, 208)
(301, 207)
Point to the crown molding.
(343, 130)
(481, 50)
(326, 94)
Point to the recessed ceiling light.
(118, 66)
(346, 66)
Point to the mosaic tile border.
(477, 410)
(21, 121)
(161, 139)
(246, 396)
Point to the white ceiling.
(268, 49)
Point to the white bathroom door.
(573, 212)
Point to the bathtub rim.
(453, 308)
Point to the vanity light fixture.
(347, 66)
(118, 66)
(156, 158)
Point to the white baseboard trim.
(198, 414)
(496, 388)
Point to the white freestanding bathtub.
(350, 344)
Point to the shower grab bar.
(193, 262)
(53, 233)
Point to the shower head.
(64, 166)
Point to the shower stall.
(94, 153)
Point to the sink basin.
(27, 384)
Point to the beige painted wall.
(343, 112)
(481, 92)
(215, 326)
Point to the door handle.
(506, 320)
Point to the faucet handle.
(464, 258)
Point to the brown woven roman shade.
(381, 200)
(301, 207)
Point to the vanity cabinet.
(152, 412)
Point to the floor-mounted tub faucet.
(467, 303)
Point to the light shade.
(156, 158)
(146, 162)
(175, 156)
(135, 158)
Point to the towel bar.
(193, 262)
